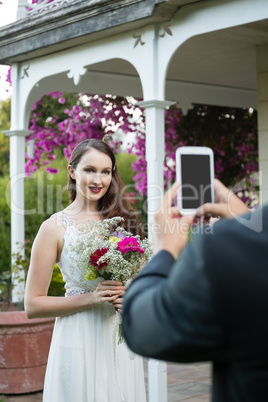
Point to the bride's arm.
(45, 252)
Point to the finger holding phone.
(227, 204)
(170, 230)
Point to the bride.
(85, 363)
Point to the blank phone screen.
(196, 180)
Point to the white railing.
(26, 8)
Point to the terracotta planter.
(24, 347)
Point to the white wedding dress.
(85, 362)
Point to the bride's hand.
(108, 291)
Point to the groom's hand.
(227, 204)
(170, 230)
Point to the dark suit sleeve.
(171, 311)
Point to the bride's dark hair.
(115, 201)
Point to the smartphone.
(195, 173)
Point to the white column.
(17, 174)
(155, 154)
(155, 151)
(22, 9)
(262, 75)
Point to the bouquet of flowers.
(107, 250)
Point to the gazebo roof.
(211, 45)
(80, 22)
(224, 58)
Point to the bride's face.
(93, 175)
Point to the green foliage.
(44, 194)
(20, 265)
(21, 262)
(4, 141)
(56, 287)
(5, 289)
(124, 161)
(5, 113)
(4, 154)
(5, 229)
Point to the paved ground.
(186, 383)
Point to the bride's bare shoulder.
(50, 236)
(52, 226)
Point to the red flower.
(94, 258)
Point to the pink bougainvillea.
(90, 117)
(231, 133)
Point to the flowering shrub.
(59, 120)
(230, 132)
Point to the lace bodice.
(75, 282)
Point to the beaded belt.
(74, 292)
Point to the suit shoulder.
(252, 223)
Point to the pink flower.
(51, 170)
(129, 244)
